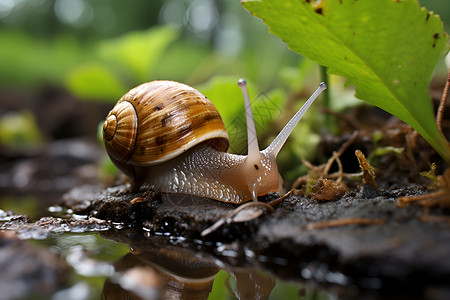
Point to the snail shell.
(157, 121)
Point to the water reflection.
(153, 272)
(252, 284)
(161, 273)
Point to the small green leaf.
(431, 174)
(386, 48)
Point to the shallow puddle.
(119, 263)
(155, 268)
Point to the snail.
(168, 137)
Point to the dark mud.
(395, 253)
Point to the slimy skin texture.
(207, 172)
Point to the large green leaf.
(386, 48)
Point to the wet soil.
(392, 250)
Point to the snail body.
(207, 172)
(168, 137)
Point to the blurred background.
(64, 63)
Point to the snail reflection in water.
(168, 137)
(162, 272)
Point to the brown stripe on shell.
(160, 140)
(178, 107)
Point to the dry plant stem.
(340, 152)
(303, 179)
(299, 181)
(229, 217)
(425, 200)
(404, 201)
(431, 218)
(323, 170)
(440, 197)
(137, 200)
(367, 170)
(350, 141)
(312, 167)
(269, 206)
(341, 170)
(329, 163)
(345, 175)
(440, 112)
(46, 223)
(276, 201)
(344, 222)
(340, 173)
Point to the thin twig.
(229, 217)
(322, 170)
(341, 170)
(339, 153)
(348, 143)
(278, 200)
(344, 222)
(329, 164)
(426, 200)
(431, 218)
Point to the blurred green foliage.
(27, 62)
(94, 81)
(127, 59)
(46, 40)
(19, 129)
(99, 49)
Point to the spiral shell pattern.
(158, 121)
(120, 131)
